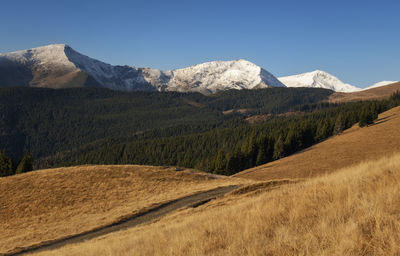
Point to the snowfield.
(318, 79)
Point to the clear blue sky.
(358, 41)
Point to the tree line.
(9, 167)
(50, 122)
(230, 150)
(100, 126)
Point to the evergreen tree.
(265, 150)
(322, 131)
(374, 109)
(279, 148)
(293, 140)
(366, 117)
(6, 166)
(261, 155)
(220, 161)
(339, 125)
(233, 164)
(25, 165)
(251, 154)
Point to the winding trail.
(194, 200)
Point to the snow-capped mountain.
(59, 66)
(317, 79)
(219, 75)
(379, 84)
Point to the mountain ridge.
(380, 84)
(317, 79)
(60, 66)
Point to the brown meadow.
(355, 211)
(49, 204)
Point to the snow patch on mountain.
(317, 79)
(379, 84)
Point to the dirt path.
(157, 212)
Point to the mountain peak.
(318, 79)
(47, 55)
(39, 48)
(50, 47)
(243, 61)
(224, 63)
(318, 71)
(54, 46)
(210, 77)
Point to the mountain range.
(60, 66)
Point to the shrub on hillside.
(6, 166)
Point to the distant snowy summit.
(379, 84)
(318, 79)
(59, 66)
(221, 75)
(322, 79)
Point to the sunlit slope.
(353, 146)
(49, 204)
(355, 211)
(370, 94)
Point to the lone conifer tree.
(339, 125)
(279, 149)
(26, 163)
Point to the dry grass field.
(353, 146)
(49, 204)
(371, 94)
(355, 211)
(310, 209)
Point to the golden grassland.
(370, 94)
(352, 212)
(353, 146)
(355, 211)
(50, 204)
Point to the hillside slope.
(351, 147)
(355, 211)
(369, 94)
(49, 204)
(379, 84)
